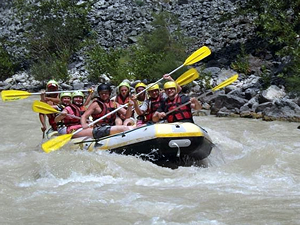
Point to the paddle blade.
(187, 77)
(56, 143)
(226, 82)
(42, 107)
(13, 95)
(198, 55)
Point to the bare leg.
(88, 132)
(118, 121)
(118, 129)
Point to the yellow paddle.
(58, 142)
(221, 85)
(44, 108)
(13, 95)
(187, 77)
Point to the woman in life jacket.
(65, 100)
(173, 100)
(123, 98)
(76, 109)
(102, 107)
(51, 99)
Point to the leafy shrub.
(109, 62)
(278, 23)
(55, 67)
(241, 64)
(6, 64)
(157, 52)
(52, 27)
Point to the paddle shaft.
(56, 92)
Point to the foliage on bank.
(7, 65)
(54, 30)
(278, 24)
(155, 53)
(57, 29)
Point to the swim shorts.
(101, 131)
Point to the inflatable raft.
(165, 144)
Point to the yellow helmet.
(153, 87)
(170, 84)
(140, 84)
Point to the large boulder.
(230, 102)
(284, 110)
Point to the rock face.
(120, 22)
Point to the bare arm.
(136, 106)
(157, 116)
(61, 116)
(88, 99)
(168, 77)
(195, 104)
(90, 110)
(43, 121)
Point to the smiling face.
(104, 95)
(171, 92)
(154, 93)
(78, 100)
(66, 100)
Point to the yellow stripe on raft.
(183, 130)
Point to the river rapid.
(253, 178)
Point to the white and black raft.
(165, 144)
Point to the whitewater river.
(253, 178)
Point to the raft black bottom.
(163, 151)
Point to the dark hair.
(104, 87)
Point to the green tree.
(54, 30)
(156, 53)
(7, 65)
(278, 23)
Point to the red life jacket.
(51, 119)
(120, 100)
(73, 110)
(182, 114)
(106, 107)
(153, 106)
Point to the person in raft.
(72, 123)
(150, 105)
(51, 99)
(173, 100)
(123, 98)
(102, 106)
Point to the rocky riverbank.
(119, 22)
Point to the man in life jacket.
(51, 99)
(150, 105)
(101, 107)
(173, 100)
(123, 98)
(76, 109)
